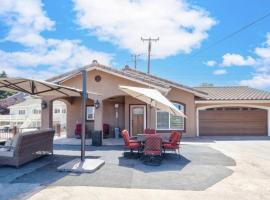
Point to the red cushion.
(132, 141)
(170, 146)
(134, 145)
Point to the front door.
(137, 119)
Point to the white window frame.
(20, 110)
(93, 114)
(169, 129)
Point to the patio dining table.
(142, 137)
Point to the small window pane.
(162, 120)
(177, 122)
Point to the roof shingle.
(234, 93)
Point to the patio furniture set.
(27, 146)
(150, 146)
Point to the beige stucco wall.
(109, 87)
(186, 98)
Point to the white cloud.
(258, 81)
(230, 59)
(26, 21)
(261, 79)
(180, 26)
(220, 72)
(210, 63)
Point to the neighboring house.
(209, 110)
(27, 114)
(11, 100)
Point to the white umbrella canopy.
(39, 87)
(152, 97)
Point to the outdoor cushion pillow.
(14, 140)
(8, 142)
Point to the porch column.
(98, 123)
(46, 113)
(197, 122)
(268, 121)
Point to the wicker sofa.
(28, 146)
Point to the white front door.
(137, 119)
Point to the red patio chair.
(130, 144)
(173, 133)
(78, 130)
(174, 144)
(149, 131)
(152, 149)
(106, 130)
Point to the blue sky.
(40, 39)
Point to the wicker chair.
(152, 150)
(27, 147)
(149, 131)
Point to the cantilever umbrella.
(38, 87)
(48, 89)
(152, 97)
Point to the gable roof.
(130, 74)
(234, 93)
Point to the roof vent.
(126, 67)
(95, 62)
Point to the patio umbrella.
(152, 97)
(47, 89)
(39, 87)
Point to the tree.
(4, 94)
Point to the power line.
(149, 40)
(231, 34)
(135, 59)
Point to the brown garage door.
(226, 121)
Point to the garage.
(233, 121)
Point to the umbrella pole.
(84, 99)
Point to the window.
(21, 112)
(167, 121)
(56, 110)
(64, 110)
(90, 113)
(36, 111)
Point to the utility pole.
(149, 40)
(135, 57)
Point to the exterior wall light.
(96, 104)
(43, 105)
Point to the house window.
(21, 112)
(56, 110)
(167, 121)
(36, 111)
(64, 111)
(90, 113)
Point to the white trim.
(170, 129)
(197, 122)
(231, 101)
(130, 117)
(233, 105)
(268, 122)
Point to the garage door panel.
(252, 122)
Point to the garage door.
(233, 121)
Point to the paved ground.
(209, 169)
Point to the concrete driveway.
(211, 168)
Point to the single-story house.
(232, 110)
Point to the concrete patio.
(211, 168)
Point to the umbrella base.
(78, 166)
